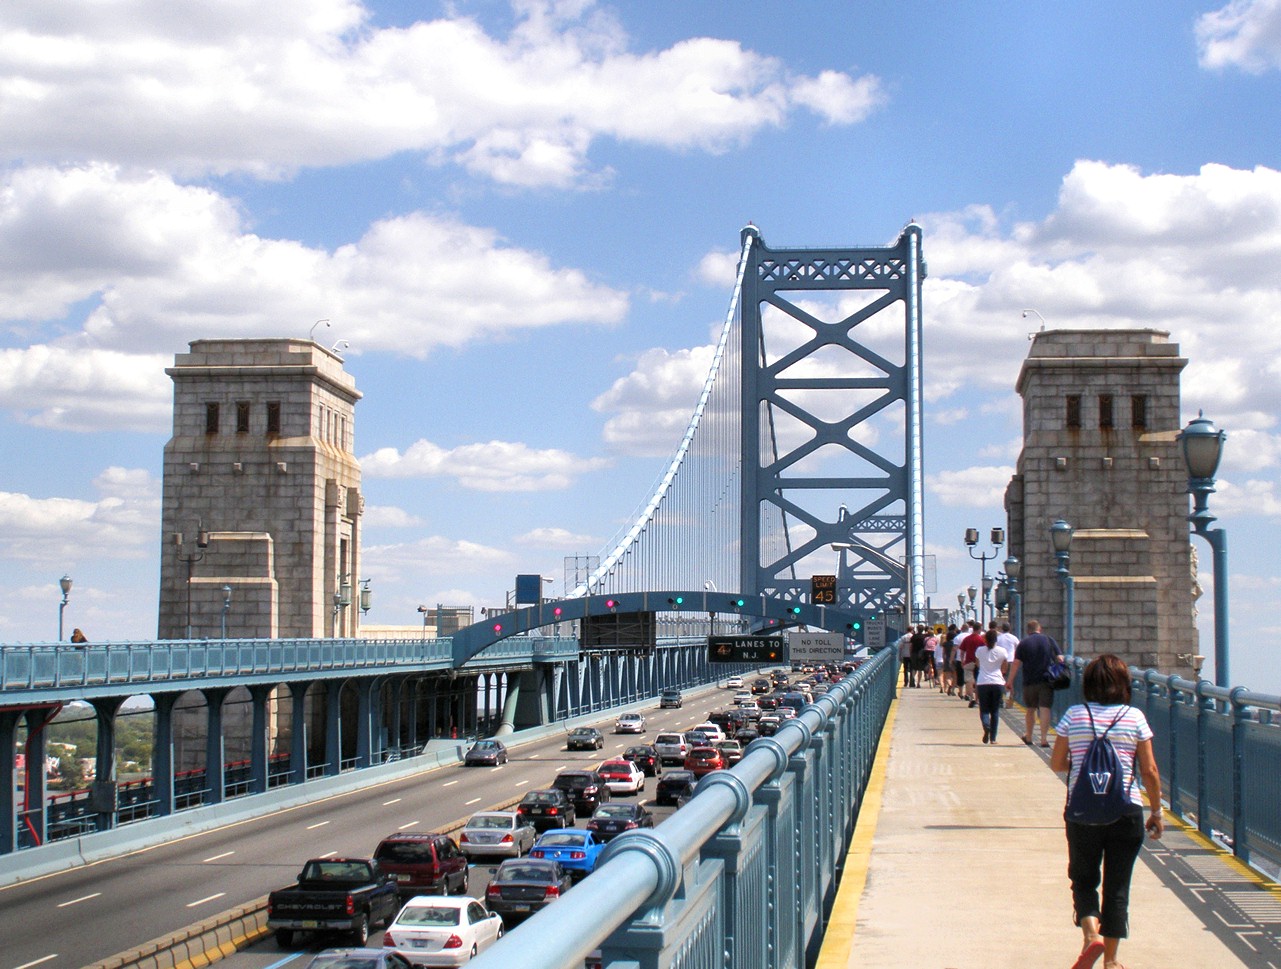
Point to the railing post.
(1172, 695)
(1240, 832)
(1202, 776)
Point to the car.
(522, 886)
(761, 686)
(704, 760)
(744, 700)
(630, 723)
(646, 758)
(492, 834)
(675, 787)
(486, 753)
(734, 683)
(711, 729)
(586, 788)
(785, 711)
(547, 808)
(443, 931)
(670, 698)
(585, 738)
(767, 702)
(698, 738)
(744, 737)
(622, 776)
(423, 864)
(768, 725)
(731, 750)
(613, 819)
(576, 850)
(671, 747)
(358, 959)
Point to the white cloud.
(1244, 34)
(242, 86)
(1250, 498)
(718, 269)
(557, 539)
(492, 466)
(654, 402)
(388, 516)
(434, 555)
(87, 389)
(978, 487)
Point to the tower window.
(1074, 410)
(211, 417)
(1105, 411)
(242, 417)
(273, 417)
(1139, 412)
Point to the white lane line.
(207, 898)
(521, 783)
(449, 784)
(76, 901)
(534, 756)
(328, 854)
(474, 800)
(36, 962)
(394, 800)
(225, 854)
(409, 824)
(318, 824)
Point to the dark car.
(359, 959)
(646, 758)
(704, 760)
(585, 738)
(522, 886)
(550, 808)
(761, 686)
(767, 702)
(697, 738)
(423, 864)
(670, 698)
(585, 788)
(486, 753)
(746, 736)
(613, 819)
(675, 787)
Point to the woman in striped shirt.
(1107, 850)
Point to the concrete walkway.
(959, 862)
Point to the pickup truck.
(333, 895)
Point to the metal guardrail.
(1219, 753)
(743, 874)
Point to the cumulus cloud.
(492, 466)
(978, 487)
(652, 405)
(559, 539)
(1244, 34)
(388, 516)
(433, 555)
(51, 531)
(235, 86)
(86, 389)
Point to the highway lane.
(78, 917)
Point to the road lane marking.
(521, 783)
(394, 800)
(534, 756)
(328, 854)
(36, 962)
(474, 800)
(82, 898)
(318, 824)
(225, 854)
(207, 898)
(409, 824)
(449, 784)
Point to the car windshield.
(677, 777)
(338, 870)
(428, 915)
(556, 839)
(669, 738)
(615, 811)
(404, 852)
(583, 732)
(615, 767)
(485, 745)
(538, 797)
(489, 822)
(572, 780)
(638, 752)
(524, 872)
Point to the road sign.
(874, 633)
(823, 590)
(817, 648)
(744, 649)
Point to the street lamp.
(972, 591)
(1202, 447)
(366, 597)
(1013, 568)
(1061, 541)
(65, 585)
(997, 539)
(988, 582)
(342, 597)
(424, 611)
(191, 558)
(226, 607)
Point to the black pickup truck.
(333, 895)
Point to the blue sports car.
(575, 849)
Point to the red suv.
(704, 760)
(423, 864)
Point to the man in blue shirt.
(1034, 654)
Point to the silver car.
(630, 723)
(496, 834)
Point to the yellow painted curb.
(838, 939)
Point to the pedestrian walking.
(991, 661)
(905, 655)
(1034, 655)
(969, 647)
(949, 665)
(1101, 744)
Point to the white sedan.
(622, 776)
(734, 683)
(630, 723)
(447, 931)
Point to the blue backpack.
(1098, 797)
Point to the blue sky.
(539, 197)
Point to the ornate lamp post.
(1202, 447)
(1061, 541)
(226, 607)
(191, 558)
(997, 539)
(972, 592)
(65, 585)
(1013, 568)
(960, 608)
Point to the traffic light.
(795, 610)
(739, 603)
(675, 601)
(856, 625)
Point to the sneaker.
(985, 735)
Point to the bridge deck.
(959, 861)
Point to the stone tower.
(261, 493)
(1100, 416)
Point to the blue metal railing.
(1219, 753)
(743, 874)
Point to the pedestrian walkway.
(959, 862)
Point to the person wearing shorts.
(1033, 655)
